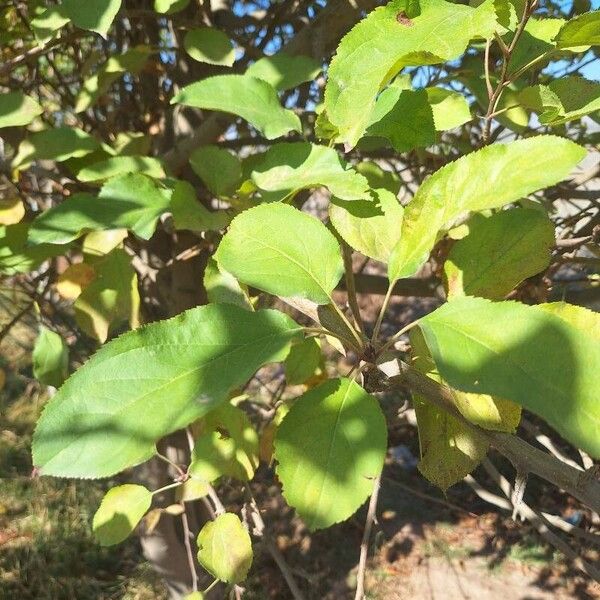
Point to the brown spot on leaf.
(403, 19)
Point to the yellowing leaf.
(12, 210)
(74, 280)
(225, 549)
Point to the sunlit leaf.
(74, 279)
(488, 178)
(121, 165)
(283, 251)
(209, 45)
(194, 359)
(330, 448)
(95, 15)
(248, 97)
(284, 71)
(581, 31)
(223, 288)
(12, 210)
(17, 109)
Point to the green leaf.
(95, 15)
(193, 359)
(220, 170)
(57, 144)
(330, 448)
(111, 299)
(121, 509)
(121, 165)
(562, 100)
(50, 358)
(523, 354)
(113, 69)
(48, 22)
(189, 213)
(579, 317)
(209, 45)
(132, 201)
(170, 7)
(378, 178)
(248, 97)
(499, 253)
(371, 227)
(380, 45)
(16, 256)
(488, 178)
(284, 71)
(227, 446)
(450, 451)
(290, 167)
(303, 361)
(536, 41)
(225, 549)
(450, 109)
(17, 109)
(404, 117)
(283, 251)
(581, 31)
(222, 287)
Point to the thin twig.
(364, 545)
(188, 548)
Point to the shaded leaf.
(209, 45)
(121, 509)
(225, 549)
(523, 354)
(220, 170)
(284, 71)
(48, 22)
(193, 359)
(95, 15)
(57, 144)
(248, 97)
(287, 168)
(111, 299)
(121, 165)
(499, 253)
(50, 358)
(17, 109)
(371, 227)
(227, 446)
(189, 213)
(303, 361)
(74, 279)
(223, 288)
(330, 448)
(283, 251)
(488, 178)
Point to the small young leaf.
(121, 509)
(580, 32)
(248, 97)
(17, 109)
(50, 358)
(228, 445)
(111, 299)
(95, 15)
(284, 71)
(283, 251)
(122, 165)
(225, 549)
(303, 361)
(132, 201)
(330, 448)
(59, 144)
(209, 45)
(488, 178)
(220, 170)
(223, 288)
(193, 359)
(380, 45)
(371, 227)
(562, 100)
(170, 7)
(287, 168)
(524, 354)
(499, 253)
